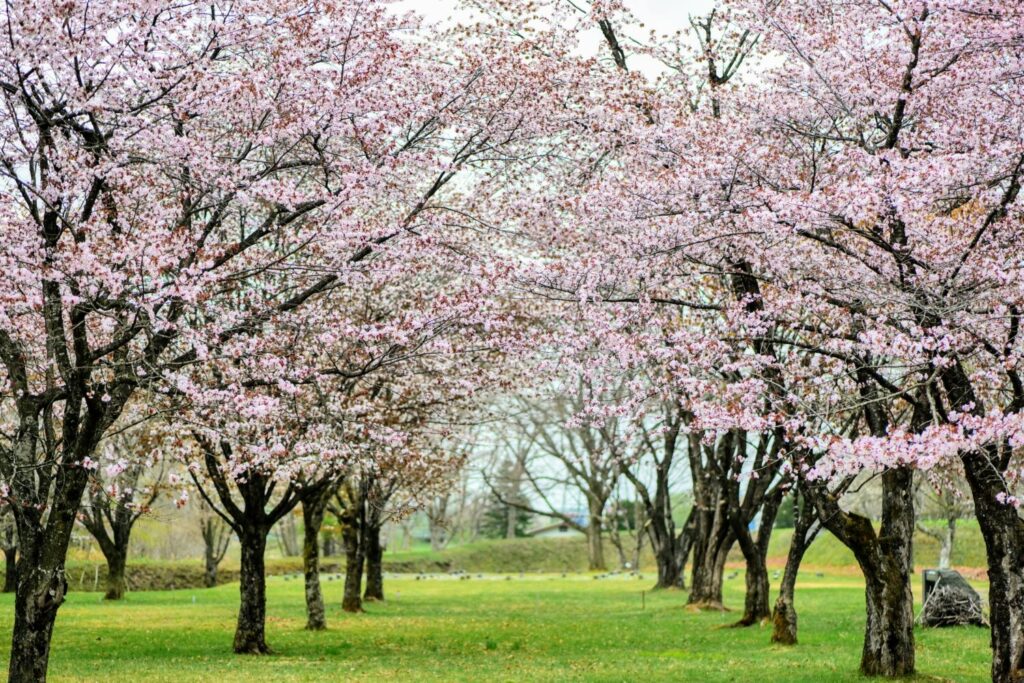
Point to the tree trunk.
(595, 544)
(351, 602)
(670, 552)
(709, 557)
(755, 604)
(756, 608)
(437, 536)
(250, 634)
(946, 549)
(39, 594)
(885, 560)
(116, 584)
(784, 618)
(511, 521)
(11, 570)
(312, 521)
(210, 572)
(1003, 531)
(669, 575)
(889, 633)
(374, 565)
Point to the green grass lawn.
(537, 628)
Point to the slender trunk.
(210, 573)
(670, 552)
(756, 608)
(116, 584)
(374, 565)
(784, 617)
(39, 594)
(312, 521)
(684, 544)
(250, 634)
(1003, 531)
(11, 570)
(351, 602)
(511, 519)
(946, 550)
(595, 544)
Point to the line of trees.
(309, 239)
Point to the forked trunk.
(669, 571)
(708, 568)
(250, 633)
(312, 520)
(374, 565)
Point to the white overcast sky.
(658, 14)
(663, 16)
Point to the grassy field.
(534, 628)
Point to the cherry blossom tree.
(128, 479)
(181, 180)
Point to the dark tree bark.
(595, 539)
(45, 515)
(670, 549)
(763, 493)
(314, 506)
(806, 528)
(117, 584)
(251, 519)
(10, 570)
(1001, 527)
(351, 600)
(40, 593)
(1003, 531)
(9, 539)
(756, 607)
(713, 534)
(250, 632)
(349, 506)
(885, 560)
(374, 564)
